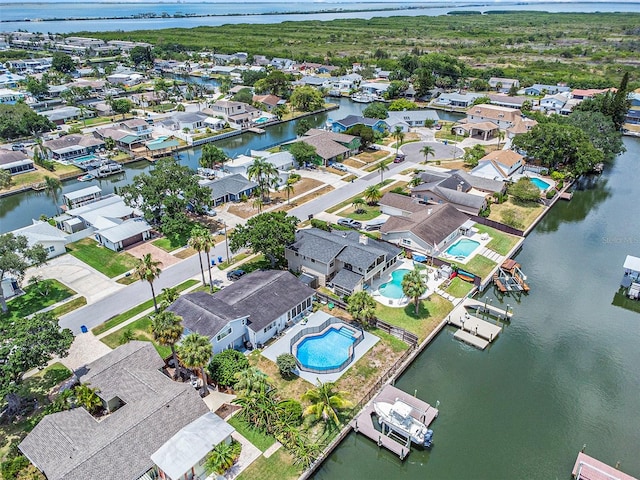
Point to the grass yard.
(33, 301)
(233, 260)
(70, 306)
(480, 265)
(257, 437)
(169, 244)
(370, 156)
(526, 214)
(102, 259)
(140, 330)
(278, 466)
(123, 317)
(459, 288)
(300, 187)
(292, 387)
(367, 212)
(67, 170)
(500, 242)
(431, 312)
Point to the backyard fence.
(497, 225)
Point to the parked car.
(235, 274)
(399, 158)
(349, 222)
(339, 166)
(210, 212)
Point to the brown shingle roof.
(503, 157)
(402, 202)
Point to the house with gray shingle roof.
(330, 146)
(73, 146)
(230, 188)
(144, 412)
(15, 161)
(344, 260)
(349, 121)
(252, 309)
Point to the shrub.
(11, 468)
(291, 412)
(485, 212)
(321, 224)
(551, 193)
(224, 366)
(557, 176)
(560, 184)
(286, 364)
(510, 217)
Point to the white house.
(503, 84)
(41, 233)
(81, 197)
(14, 161)
(554, 103)
(282, 161)
(499, 165)
(9, 96)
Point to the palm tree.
(415, 181)
(169, 295)
(426, 151)
(166, 328)
(325, 402)
(195, 352)
(222, 457)
(148, 269)
(258, 203)
(41, 150)
(372, 194)
(87, 397)
(207, 245)
(413, 286)
(500, 136)
(398, 135)
(265, 175)
(196, 242)
(289, 189)
(53, 186)
(251, 381)
(358, 204)
(382, 167)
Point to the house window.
(406, 241)
(221, 335)
(51, 249)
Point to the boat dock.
(364, 422)
(510, 278)
(474, 331)
(483, 307)
(257, 130)
(566, 195)
(588, 468)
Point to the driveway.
(77, 275)
(442, 151)
(142, 249)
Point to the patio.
(482, 238)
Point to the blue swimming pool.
(85, 158)
(462, 248)
(541, 184)
(326, 351)
(261, 120)
(393, 289)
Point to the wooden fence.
(497, 225)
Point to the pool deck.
(429, 275)
(282, 345)
(589, 468)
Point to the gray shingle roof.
(481, 183)
(351, 120)
(73, 445)
(231, 185)
(432, 224)
(402, 202)
(347, 279)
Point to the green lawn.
(233, 260)
(124, 316)
(459, 288)
(621, 300)
(431, 312)
(480, 265)
(169, 244)
(101, 258)
(368, 212)
(395, 343)
(278, 466)
(349, 201)
(70, 306)
(260, 439)
(500, 242)
(140, 329)
(33, 301)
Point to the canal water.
(17, 210)
(564, 373)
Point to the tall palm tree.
(207, 245)
(53, 186)
(398, 135)
(265, 174)
(196, 242)
(382, 167)
(289, 189)
(372, 194)
(166, 328)
(413, 286)
(358, 204)
(148, 269)
(87, 397)
(169, 295)
(426, 151)
(326, 402)
(41, 150)
(195, 352)
(251, 381)
(500, 136)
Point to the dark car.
(235, 274)
(399, 158)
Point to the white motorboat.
(362, 97)
(397, 416)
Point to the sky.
(284, 1)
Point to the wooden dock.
(257, 130)
(470, 339)
(566, 196)
(364, 422)
(509, 277)
(476, 326)
(588, 468)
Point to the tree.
(375, 110)
(621, 102)
(524, 190)
(276, 82)
(88, 398)
(15, 257)
(148, 269)
(62, 63)
(601, 130)
(361, 306)
(265, 174)
(121, 106)
(289, 189)
(222, 457)
(402, 104)
(251, 380)
(38, 89)
(196, 241)
(142, 56)
(303, 153)
(53, 186)
(244, 95)
(500, 137)
(473, 155)
(302, 127)
(267, 233)
(169, 295)
(366, 134)
(413, 286)
(166, 328)
(372, 194)
(280, 111)
(358, 205)
(5, 179)
(481, 101)
(383, 166)
(20, 120)
(109, 143)
(212, 156)
(426, 151)
(27, 344)
(207, 245)
(195, 351)
(286, 364)
(398, 136)
(326, 402)
(225, 365)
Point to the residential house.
(252, 309)
(428, 230)
(375, 88)
(315, 82)
(581, 94)
(282, 63)
(228, 107)
(345, 84)
(510, 101)
(268, 102)
(41, 233)
(503, 84)
(231, 188)
(478, 185)
(190, 120)
(84, 196)
(499, 165)
(147, 418)
(344, 260)
(73, 146)
(15, 162)
(10, 80)
(282, 161)
(376, 124)
(541, 89)
(410, 118)
(123, 234)
(330, 147)
(10, 97)
(462, 100)
(520, 126)
(554, 103)
(65, 114)
(129, 134)
(453, 189)
(503, 117)
(127, 79)
(481, 130)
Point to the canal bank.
(563, 373)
